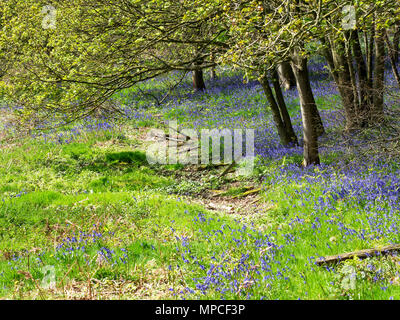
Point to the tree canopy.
(69, 59)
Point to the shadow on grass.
(132, 157)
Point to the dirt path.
(231, 195)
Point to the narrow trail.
(246, 201)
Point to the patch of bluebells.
(17, 195)
(89, 247)
(371, 191)
(68, 135)
(243, 262)
(83, 243)
(57, 131)
(242, 259)
(369, 187)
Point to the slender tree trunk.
(348, 99)
(364, 89)
(366, 45)
(342, 79)
(327, 53)
(396, 43)
(338, 65)
(198, 80)
(379, 76)
(283, 109)
(308, 107)
(284, 135)
(319, 126)
(213, 73)
(392, 59)
(353, 80)
(286, 75)
(353, 120)
(370, 58)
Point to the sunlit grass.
(112, 226)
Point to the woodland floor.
(85, 216)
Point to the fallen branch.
(227, 169)
(179, 132)
(360, 254)
(246, 193)
(167, 137)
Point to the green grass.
(101, 189)
(53, 192)
(81, 187)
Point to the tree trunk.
(348, 99)
(327, 53)
(198, 80)
(364, 88)
(370, 58)
(308, 107)
(285, 136)
(396, 43)
(353, 80)
(392, 59)
(319, 126)
(213, 73)
(379, 76)
(286, 75)
(283, 108)
(338, 65)
(364, 85)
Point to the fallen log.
(360, 254)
